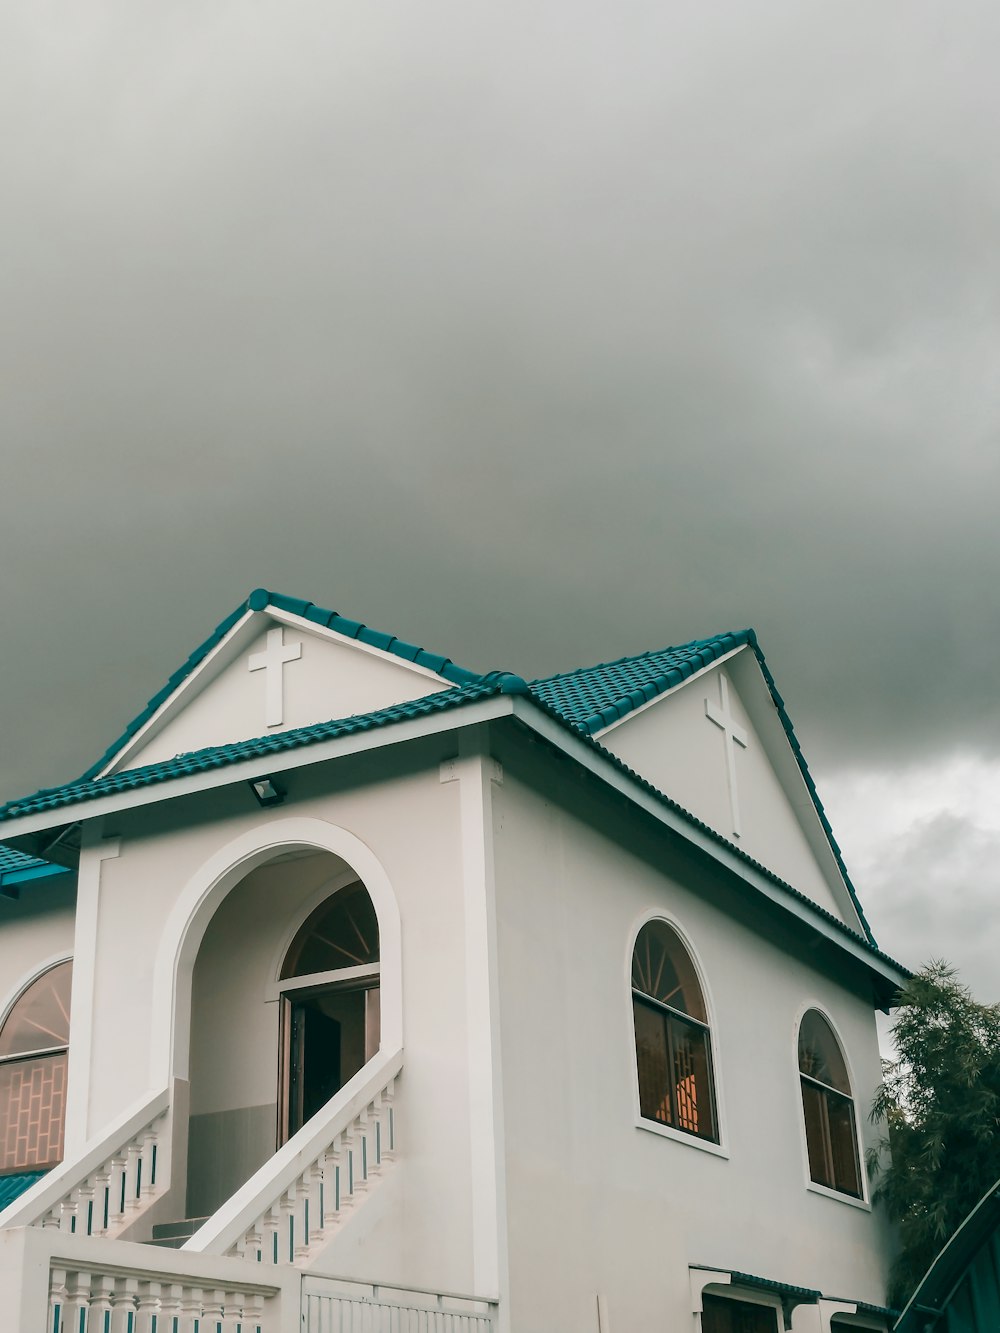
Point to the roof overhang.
(589, 755)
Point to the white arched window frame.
(41, 1058)
(717, 1145)
(355, 975)
(825, 1093)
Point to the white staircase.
(292, 1206)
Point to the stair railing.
(112, 1182)
(293, 1204)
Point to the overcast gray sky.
(537, 333)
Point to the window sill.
(678, 1136)
(838, 1197)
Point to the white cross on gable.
(733, 735)
(272, 662)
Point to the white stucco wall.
(597, 1204)
(409, 820)
(35, 929)
(676, 747)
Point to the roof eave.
(243, 770)
(611, 770)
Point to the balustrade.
(337, 1306)
(296, 1200)
(88, 1299)
(112, 1195)
(305, 1212)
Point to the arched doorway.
(330, 1005)
(285, 1008)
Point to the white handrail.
(126, 1153)
(302, 1172)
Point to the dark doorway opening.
(328, 1035)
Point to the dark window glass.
(33, 1061)
(342, 932)
(722, 1315)
(672, 1043)
(828, 1108)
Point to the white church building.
(354, 992)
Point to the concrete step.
(172, 1235)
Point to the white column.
(94, 852)
(476, 773)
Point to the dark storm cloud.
(537, 333)
(935, 890)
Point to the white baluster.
(85, 1219)
(191, 1308)
(210, 1320)
(123, 1301)
(101, 1301)
(146, 1160)
(272, 1238)
(131, 1166)
(117, 1172)
(253, 1313)
(78, 1302)
(147, 1306)
(171, 1296)
(57, 1300)
(102, 1199)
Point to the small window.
(828, 1108)
(34, 1043)
(673, 1049)
(723, 1315)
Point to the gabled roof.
(585, 701)
(593, 698)
(259, 600)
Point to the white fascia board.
(313, 627)
(576, 748)
(189, 686)
(283, 761)
(238, 637)
(658, 698)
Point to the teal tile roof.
(12, 1187)
(592, 698)
(259, 600)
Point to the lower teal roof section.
(18, 868)
(12, 1187)
(961, 1291)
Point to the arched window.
(828, 1108)
(330, 1012)
(34, 1041)
(673, 1049)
